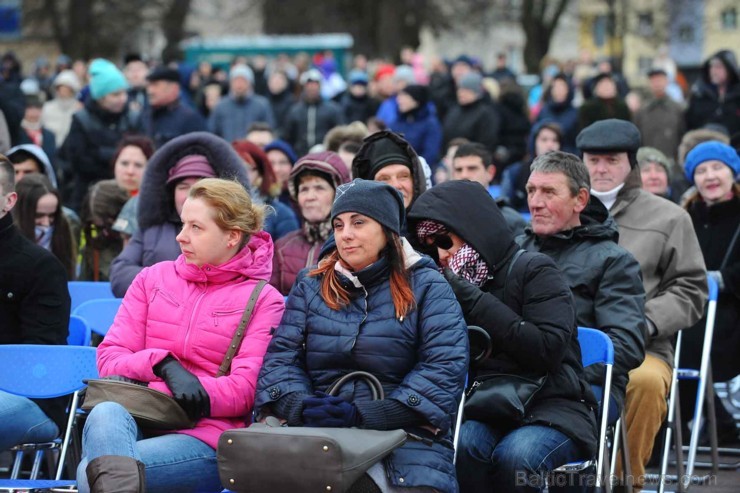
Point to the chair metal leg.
(17, 464)
(712, 423)
(680, 474)
(38, 456)
(626, 466)
(615, 450)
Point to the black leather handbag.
(502, 398)
(269, 458)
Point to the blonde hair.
(233, 208)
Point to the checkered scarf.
(466, 262)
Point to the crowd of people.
(387, 211)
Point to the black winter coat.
(606, 283)
(91, 143)
(308, 123)
(34, 300)
(715, 227)
(281, 104)
(478, 122)
(358, 109)
(532, 325)
(705, 105)
(165, 123)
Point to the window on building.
(686, 33)
(645, 63)
(599, 31)
(645, 26)
(728, 19)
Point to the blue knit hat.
(284, 147)
(105, 78)
(709, 151)
(374, 199)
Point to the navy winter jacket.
(421, 128)
(420, 359)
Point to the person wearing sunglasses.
(522, 301)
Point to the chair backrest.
(82, 291)
(42, 372)
(79, 332)
(596, 347)
(99, 314)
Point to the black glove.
(467, 294)
(328, 411)
(185, 387)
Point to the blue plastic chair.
(82, 291)
(79, 332)
(43, 372)
(596, 347)
(99, 314)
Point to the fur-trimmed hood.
(156, 201)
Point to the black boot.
(115, 474)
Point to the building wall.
(719, 36)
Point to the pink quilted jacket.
(191, 313)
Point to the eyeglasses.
(443, 242)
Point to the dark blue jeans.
(491, 460)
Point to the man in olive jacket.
(661, 237)
(577, 232)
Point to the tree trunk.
(173, 26)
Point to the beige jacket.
(661, 237)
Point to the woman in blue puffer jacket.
(374, 304)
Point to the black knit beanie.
(373, 199)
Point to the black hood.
(728, 59)
(704, 85)
(156, 204)
(362, 164)
(467, 209)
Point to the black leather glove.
(467, 294)
(185, 387)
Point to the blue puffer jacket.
(420, 359)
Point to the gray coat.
(232, 116)
(607, 287)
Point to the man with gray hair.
(576, 231)
(234, 114)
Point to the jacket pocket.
(160, 293)
(220, 314)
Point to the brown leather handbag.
(279, 459)
(152, 409)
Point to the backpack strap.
(514, 258)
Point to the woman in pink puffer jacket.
(172, 332)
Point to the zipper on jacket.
(223, 313)
(364, 317)
(190, 323)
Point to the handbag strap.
(375, 386)
(730, 248)
(240, 330)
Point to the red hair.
(336, 296)
(253, 154)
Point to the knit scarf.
(466, 262)
(317, 232)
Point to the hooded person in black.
(524, 304)
(715, 97)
